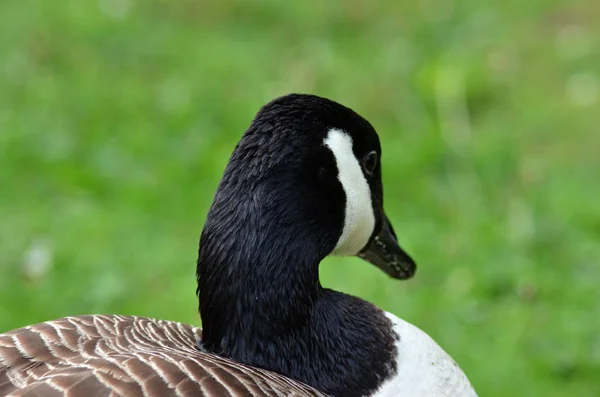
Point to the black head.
(307, 173)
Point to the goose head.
(307, 168)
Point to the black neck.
(258, 261)
(261, 302)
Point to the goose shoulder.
(99, 355)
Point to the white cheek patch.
(359, 219)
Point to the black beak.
(384, 252)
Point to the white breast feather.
(424, 368)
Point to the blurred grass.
(118, 116)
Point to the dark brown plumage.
(102, 356)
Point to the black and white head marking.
(359, 220)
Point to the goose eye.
(370, 162)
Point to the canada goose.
(303, 183)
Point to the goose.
(304, 182)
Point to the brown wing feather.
(110, 356)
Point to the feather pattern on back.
(99, 355)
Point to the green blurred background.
(117, 118)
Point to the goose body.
(303, 183)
